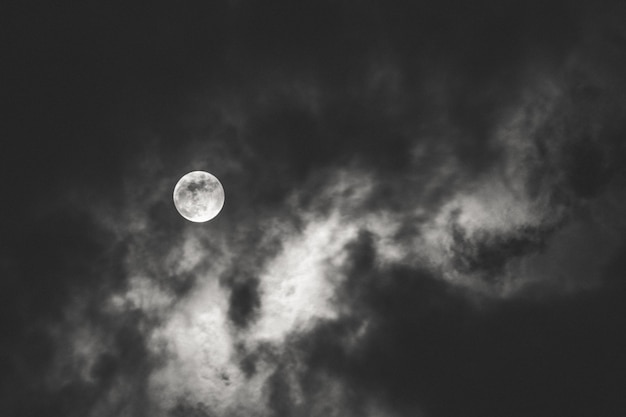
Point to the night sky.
(424, 209)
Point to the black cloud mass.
(423, 217)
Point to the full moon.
(198, 196)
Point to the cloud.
(428, 345)
(423, 212)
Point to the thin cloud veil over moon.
(198, 196)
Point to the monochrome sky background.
(424, 209)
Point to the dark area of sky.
(518, 309)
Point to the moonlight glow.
(198, 196)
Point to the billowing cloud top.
(423, 217)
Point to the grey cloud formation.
(428, 345)
(423, 210)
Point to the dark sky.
(423, 217)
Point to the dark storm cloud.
(428, 346)
(488, 253)
(60, 258)
(244, 300)
(117, 378)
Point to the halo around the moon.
(198, 196)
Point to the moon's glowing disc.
(199, 196)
